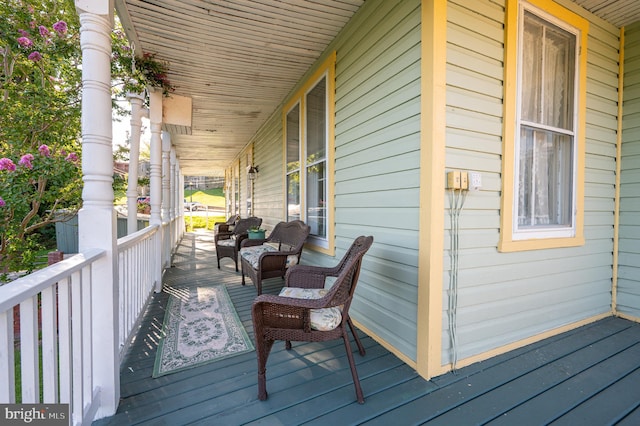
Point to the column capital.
(96, 7)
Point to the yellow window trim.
(507, 243)
(327, 67)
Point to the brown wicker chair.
(292, 319)
(270, 257)
(228, 243)
(226, 227)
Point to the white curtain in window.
(316, 158)
(547, 70)
(293, 163)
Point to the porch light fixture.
(253, 173)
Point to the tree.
(41, 89)
(40, 85)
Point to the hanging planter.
(144, 71)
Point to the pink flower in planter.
(2, 202)
(44, 32)
(72, 157)
(26, 160)
(7, 164)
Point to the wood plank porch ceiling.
(238, 60)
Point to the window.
(308, 124)
(544, 123)
(293, 163)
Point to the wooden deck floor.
(589, 376)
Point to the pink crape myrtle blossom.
(23, 33)
(7, 164)
(25, 41)
(72, 157)
(60, 27)
(2, 202)
(35, 56)
(26, 160)
(44, 31)
(44, 150)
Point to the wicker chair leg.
(356, 338)
(354, 372)
(287, 345)
(262, 351)
(262, 386)
(218, 262)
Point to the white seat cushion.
(252, 255)
(229, 242)
(321, 319)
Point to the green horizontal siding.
(269, 186)
(628, 289)
(506, 297)
(377, 142)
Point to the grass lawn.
(208, 197)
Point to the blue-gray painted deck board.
(588, 376)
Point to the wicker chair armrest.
(288, 301)
(273, 260)
(253, 242)
(222, 236)
(280, 253)
(306, 276)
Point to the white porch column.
(137, 112)
(155, 168)
(172, 202)
(155, 175)
(179, 199)
(166, 176)
(97, 219)
(173, 185)
(166, 198)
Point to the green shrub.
(201, 222)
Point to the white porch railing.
(138, 262)
(66, 337)
(61, 330)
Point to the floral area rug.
(200, 326)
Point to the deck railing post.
(97, 219)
